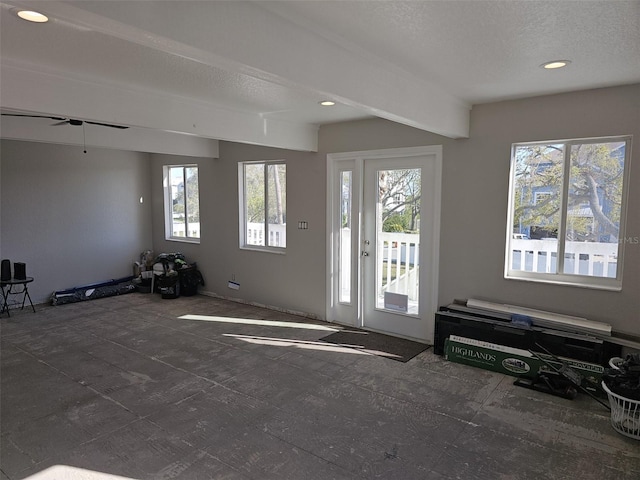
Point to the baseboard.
(262, 305)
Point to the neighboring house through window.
(182, 203)
(263, 205)
(566, 219)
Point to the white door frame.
(352, 314)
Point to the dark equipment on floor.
(493, 328)
(177, 277)
(561, 376)
(624, 379)
(549, 382)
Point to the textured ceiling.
(421, 63)
(483, 51)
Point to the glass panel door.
(397, 234)
(399, 245)
(384, 228)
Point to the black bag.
(169, 286)
(190, 278)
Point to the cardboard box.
(514, 361)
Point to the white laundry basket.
(625, 414)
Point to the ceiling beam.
(91, 136)
(31, 89)
(246, 38)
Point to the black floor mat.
(378, 344)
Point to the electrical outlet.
(234, 285)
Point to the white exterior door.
(384, 216)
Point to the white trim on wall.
(358, 158)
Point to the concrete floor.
(122, 385)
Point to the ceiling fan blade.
(31, 116)
(121, 127)
(66, 121)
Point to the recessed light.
(555, 64)
(32, 16)
(327, 103)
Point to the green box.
(514, 361)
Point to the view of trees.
(538, 182)
(276, 195)
(400, 194)
(185, 179)
(594, 194)
(596, 179)
(254, 193)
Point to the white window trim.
(242, 209)
(600, 283)
(168, 205)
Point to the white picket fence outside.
(396, 250)
(179, 228)
(277, 234)
(593, 259)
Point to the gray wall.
(478, 169)
(475, 189)
(73, 218)
(474, 208)
(293, 281)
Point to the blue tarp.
(96, 290)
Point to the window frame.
(168, 204)
(560, 277)
(242, 204)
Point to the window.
(567, 211)
(263, 205)
(346, 233)
(182, 203)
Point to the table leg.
(26, 295)
(7, 290)
(5, 305)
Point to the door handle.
(365, 254)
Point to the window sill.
(256, 248)
(593, 283)
(195, 241)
